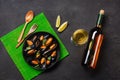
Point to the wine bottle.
(92, 50)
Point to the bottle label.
(97, 47)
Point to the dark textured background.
(80, 14)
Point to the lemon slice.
(58, 21)
(63, 26)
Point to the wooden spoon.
(28, 18)
(32, 29)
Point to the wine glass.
(79, 37)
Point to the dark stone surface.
(80, 14)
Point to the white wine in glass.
(79, 37)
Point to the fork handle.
(23, 30)
(19, 43)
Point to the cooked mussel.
(32, 51)
(48, 62)
(53, 54)
(41, 37)
(38, 54)
(43, 60)
(29, 42)
(53, 46)
(49, 41)
(35, 62)
(43, 47)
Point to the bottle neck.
(99, 26)
(99, 20)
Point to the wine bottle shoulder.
(96, 29)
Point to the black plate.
(35, 51)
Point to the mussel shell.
(34, 38)
(37, 43)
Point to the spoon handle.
(21, 35)
(30, 31)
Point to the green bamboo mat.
(10, 40)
